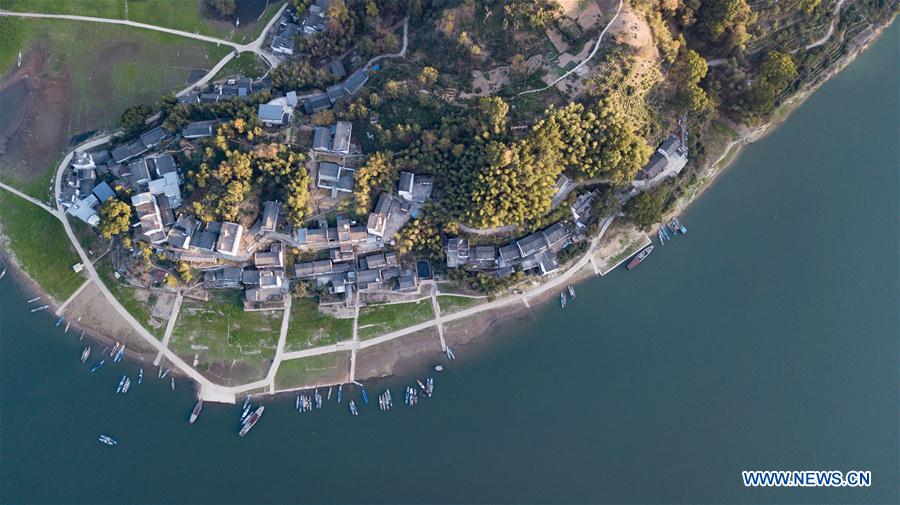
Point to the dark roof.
(198, 129)
(670, 145)
(164, 164)
(485, 253)
(101, 156)
(555, 233)
(509, 252)
(128, 151)
(531, 244)
(335, 92)
(356, 81)
(154, 136)
(654, 167)
(272, 113)
(205, 240)
(406, 181)
(406, 282)
(322, 138)
(337, 68)
(104, 192)
(329, 171)
(316, 103)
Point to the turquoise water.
(767, 338)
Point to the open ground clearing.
(331, 368)
(74, 85)
(309, 327)
(377, 320)
(185, 15)
(140, 303)
(398, 356)
(223, 342)
(40, 245)
(450, 304)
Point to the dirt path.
(583, 62)
(837, 11)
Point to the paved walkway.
(170, 325)
(77, 292)
(437, 317)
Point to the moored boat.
(141, 376)
(59, 321)
(329, 392)
(365, 397)
(108, 440)
(450, 354)
(36, 298)
(251, 420)
(164, 374)
(121, 384)
(173, 383)
(353, 409)
(340, 393)
(126, 386)
(571, 290)
(676, 226)
(421, 384)
(562, 300)
(42, 307)
(196, 411)
(115, 349)
(429, 386)
(119, 354)
(246, 412)
(318, 398)
(85, 354)
(639, 257)
(68, 324)
(97, 366)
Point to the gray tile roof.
(356, 81)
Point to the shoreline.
(480, 326)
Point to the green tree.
(644, 210)
(428, 76)
(133, 119)
(115, 218)
(376, 173)
(778, 69)
(725, 23)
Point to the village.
(333, 261)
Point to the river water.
(767, 338)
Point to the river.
(767, 338)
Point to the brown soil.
(398, 355)
(39, 134)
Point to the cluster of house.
(264, 286)
(532, 252)
(153, 179)
(240, 87)
(668, 161)
(392, 212)
(291, 26)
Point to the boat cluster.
(562, 296)
(668, 231)
(306, 403)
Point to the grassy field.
(220, 331)
(380, 319)
(82, 84)
(40, 245)
(310, 328)
(247, 65)
(139, 309)
(450, 304)
(296, 373)
(185, 15)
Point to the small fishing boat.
(121, 384)
(639, 257)
(662, 239)
(329, 392)
(141, 376)
(36, 298)
(164, 374)
(251, 420)
(246, 412)
(42, 307)
(571, 292)
(450, 354)
(108, 440)
(676, 225)
(115, 349)
(60, 320)
(406, 396)
(68, 324)
(365, 397)
(246, 401)
(126, 386)
(173, 383)
(85, 354)
(438, 368)
(381, 402)
(318, 398)
(297, 403)
(196, 411)
(353, 409)
(97, 366)
(665, 231)
(119, 354)
(429, 386)
(340, 393)
(562, 300)
(82, 336)
(421, 384)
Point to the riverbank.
(386, 360)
